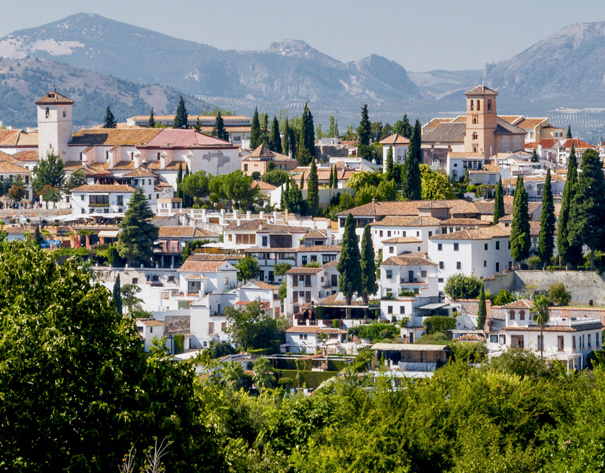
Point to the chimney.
(235, 214)
(262, 215)
(274, 217)
(248, 213)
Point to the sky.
(421, 35)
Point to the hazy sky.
(420, 35)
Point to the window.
(441, 265)
(589, 342)
(489, 105)
(493, 338)
(389, 274)
(478, 105)
(304, 260)
(522, 315)
(596, 339)
(456, 247)
(474, 120)
(226, 281)
(497, 245)
(135, 281)
(440, 280)
(458, 265)
(380, 232)
(417, 234)
(391, 249)
(485, 246)
(472, 105)
(82, 197)
(423, 274)
(439, 247)
(561, 342)
(517, 341)
(485, 263)
(511, 315)
(150, 329)
(509, 244)
(390, 309)
(497, 267)
(502, 339)
(430, 234)
(264, 241)
(47, 112)
(389, 233)
(402, 309)
(573, 342)
(475, 136)
(64, 114)
(211, 328)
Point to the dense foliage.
(460, 286)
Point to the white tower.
(54, 124)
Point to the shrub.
(471, 188)
(437, 338)
(179, 343)
(439, 323)
(503, 297)
(460, 286)
(558, 295)
(534, 262)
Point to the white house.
(408, 275)
(100, 198)
(421, 228)
(399, 144)
(314, 338)
(149, 329)
(200, 277)
(458, 163)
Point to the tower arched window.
(511, 315)
(522, 315)
(475, 136)
(47, 112)
(472, 105)
(478, 105)
(474, 120)
(489, 105)
(64, 113)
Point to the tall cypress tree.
(313, 190)
(368, 266)
(286, 144)
(364, 131)
(264, 130)
(109, 120)
(410, 178)
(180, 118)
(179, 178)
(117, 295)
(255, 139)
(569, 252)
(499, 202)
(546, 243)
(568, 135)
(482, 310)
(275, 143)
(151, 121)
(219, 128)
(349, 269)
(520, 239)
(187, 199)
(389, 164)
(588, 206)
(138, 236)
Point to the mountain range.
(106, 62)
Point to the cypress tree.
(499, 202)
(364, 131)
(138, 236)
(390, 164)
(151, 121)
(302, 180)
(547, 224)
(180, 118)
(219, 128)
(255, 131)
(520, 240)
(410, 179)
(179, 178)
(264, 131)
(368, 266)
(568, 135)
(482, 311)
(331, 178)
(275, 142)
(588, 205)
(313, 190)
(109, 120)
(187, 199)
(117, 295)
(310, 133)
(569, 252)
(38, 235)
(286, 144)
(349, 282)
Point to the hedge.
(311, 378)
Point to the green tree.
(255, 138)
(435, 185)
(179, 179)
(129, 297)
(558, 295)
(364, 130)
(313, 190)
(38, 236)
(264, 130)
(520, 240)
(16, 193)
(503, 297)
(219, 128)
(349, 269)
(281, 268)
(546, 243)
(368, 266)
(196, 185)
(76, 179)
(117, 295)
(569, 135)
(251, 327)
(389, 164)
(570, 252)
(181, 119)
(410, 180)
(306, 138)
(459, 286)
(588, 206)
(403, 127)
(190, 246)
(499, 202)
(263, 379)
(247, 268)
(151, 121)
(333, 130)
(138, 236)
(49, 171)
(541, 314)
(109, 121)
(275, 142)
(482, 310)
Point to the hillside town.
(402, 242)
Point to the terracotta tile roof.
(434, 123)
(331, 264)
(445, 133)
(140, 172)
(256, 224)
(304, 270)
(173, 138)
(481, 90)
(511, 118)
(173, 166)
(319, 249)
(28, 155)
(18, 138)
(123, 165)
(262, 185)
(338, 299)
(520, 304)
(10, 168)
(265, 285)
(459, 119)
(532, 145)
(530, 123)
(389, 221)
(315, 329)
(464, 221)
(402, 240)
(598, 325)
(396, 139)
(192, 265)
(491, 168)
(184, 232)
(486, 233)
(471, 337)
(54, 97)
(212, 257)
(150, 322)
(409, 208)
(315, 234)
(4, 157)
(578, 144)
(550, 143)
(104, 188)
(405, 260)
(114, 136)
(505, 128)
(466, 155)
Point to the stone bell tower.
(481, 121)
(54, 124)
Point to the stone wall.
(585, 286)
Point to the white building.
(408, 275)
(421, 228)
(399, 144)
(100, 199)
(458, 163)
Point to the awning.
(436, 306)
(109, 233)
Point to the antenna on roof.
(54, 85)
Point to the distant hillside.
(22, 81)
(438, 84)
(290, 70)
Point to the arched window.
(489, 105)
(472, 105)
(478, 105)
(64, 113)
(522, 315)
(474, 120)
(47, 112)
(511, 315)
(475, 136)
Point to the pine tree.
(569, 252)
(110, 120)
(547, 224)
(117, 295)
(219, 128)
(38, 235)
(520, 239)
(482, 310)
(179, 178)
(255, 138)
(275, 142)
(264, 130)
(364, 130)
(151, 121)
(187, 199)
(181, 119)
(368, 266)
(499, 202)
(138, 236)
(410, 177)
(349, 269)
(313, 190)
(389, 164)
(568, 135)
(588, 206)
